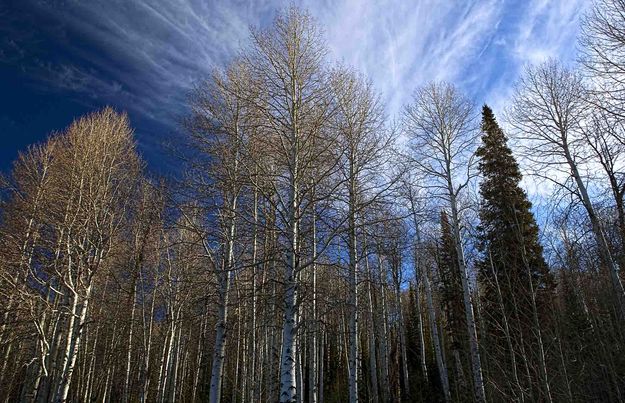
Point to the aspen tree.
(441, 125)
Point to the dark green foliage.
(508, 233)
(511, 256)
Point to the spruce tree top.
(496, 157)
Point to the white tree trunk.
(63, 390)
(476, 363)
(288, 387)
(353, 304)
(220, 339)
(225, 277)
(129, 351)
(383, 329)
(313, 354)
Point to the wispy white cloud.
(542, 29)
(145, 55)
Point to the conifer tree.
(515, 307)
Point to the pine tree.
(515, 307)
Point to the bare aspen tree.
(100, 150)
(441, 125)
(364, 146)
(548, 112)
(24, 215)
(219, 129)
(94, 172)
(286, 64)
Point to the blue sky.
(62, 58)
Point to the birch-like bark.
(383, 329)
(225, 277)
(476, 362)
(288, 387)
(63, 390)
(313, 354)
(130, 340)
(254, 390)
(147, 346)
(353, 288)
(66, 354)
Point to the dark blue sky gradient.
(60, 59)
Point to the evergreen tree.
(515, 307)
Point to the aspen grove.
(313, 250)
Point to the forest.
(311, 249)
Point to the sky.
(60, 59)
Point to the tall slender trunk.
(167, 359)
(476, 363)
(442, 368)
(147, 347)
(175, 365)
(383, 329)
(225, 276)
(65, 358)
(313, 355)
(220, 340)
(417, 268)
(402, 334)
(254, 390)
(288, 387)
(92, 362)
(63, 390)
(299, 377)
(271, 378)
(353, 292)
(129, 351)
(373, 370)
(161, 370)
(322, 352)
(200, 355)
